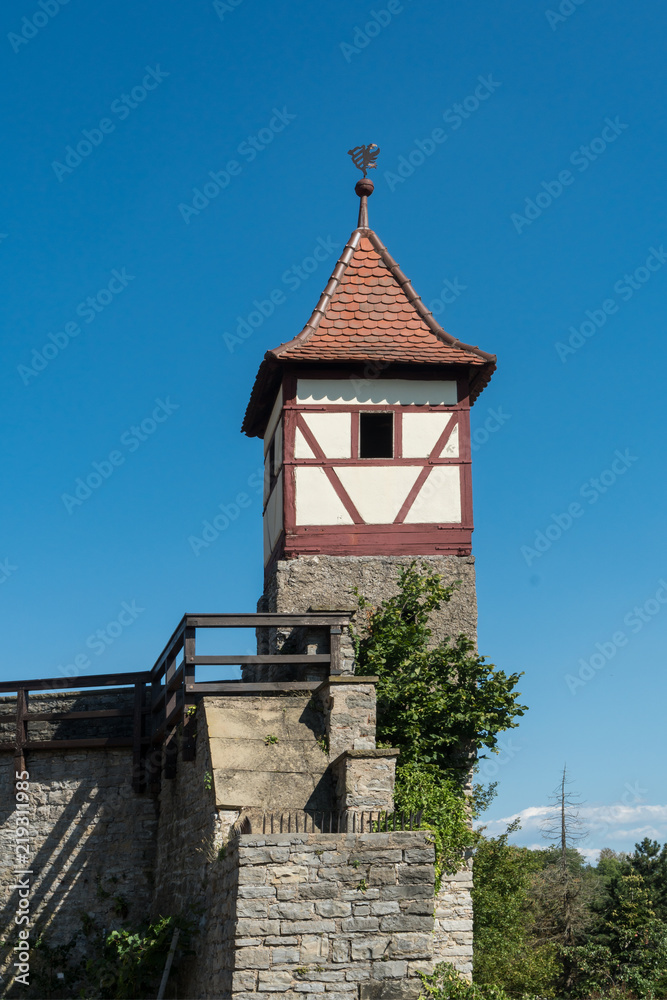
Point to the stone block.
(419, 856)
(252, 958)
(292, 910)
(390, 990)
(333, 908)
(401, 922)
(263, 855)
(410, 945)
(275, 981)
(368, 948)
(389, 970)
(307, 926)
(360, 924)
(252, 908)
(314, 949)
(414, 874)
(285, 956)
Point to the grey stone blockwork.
(329, 582)
(346, 915)
(92, 841)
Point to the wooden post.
(189, 722)
(21, 729)
(336, 666)
(138, 776)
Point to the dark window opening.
(271, 464)
(376, 435)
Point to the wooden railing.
(164, 698)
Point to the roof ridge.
(417, 304)
(402, 281)
(326, 296)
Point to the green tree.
(438, 703)
(433, 700)
(506, 951)
(650, 861)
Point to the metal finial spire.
(364, 158)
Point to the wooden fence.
(164, 697)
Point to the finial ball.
(364, 186)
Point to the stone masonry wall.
(346, 915)
(328, 582)
(92, 845)
(324, 581)
(452, 933)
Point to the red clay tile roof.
(368, 311)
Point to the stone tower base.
(327, 582)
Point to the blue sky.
(542, 202)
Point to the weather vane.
(364, 157)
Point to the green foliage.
(446, 983)
(125, 964)
(208, 780)
(436, 703)
(506, 953)
(270, 740)
(432, 700)
(424, 787)
(619, 949)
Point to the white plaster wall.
(378, 492)
(451, 449)
(273, 518)
(316, 499)
(382, 391)
(301, 447)
(333, 433)
(421, 431)
(439, 500)
(273, 419)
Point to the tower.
(365, 421)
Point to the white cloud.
(617, 825)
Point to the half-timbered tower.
(365, 421)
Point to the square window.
(376, 435)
